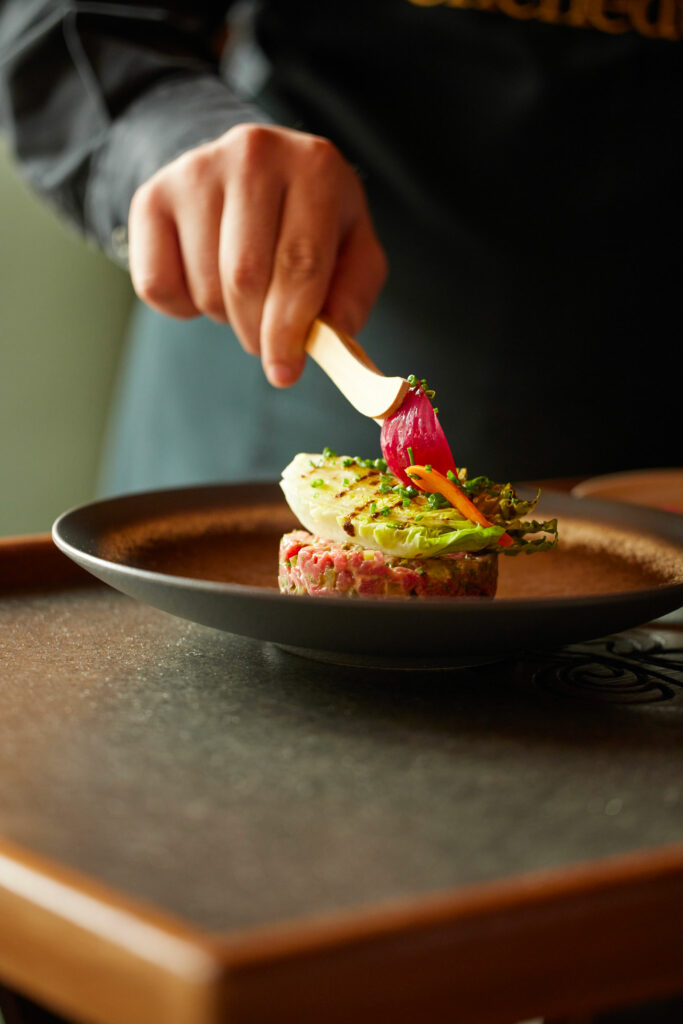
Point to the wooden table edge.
(35, 561)
(562, 940)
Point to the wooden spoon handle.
(351, 369)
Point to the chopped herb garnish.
(346, 481)
(404, 492)
(373, 508)
(428, 467)
(411, 456)
(329, 453)
(319, 482)
(347, 462)
(437, 501)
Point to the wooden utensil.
(351, 369)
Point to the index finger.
(305, 257)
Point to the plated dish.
(368, 531)
(409, 524)
(210, 554)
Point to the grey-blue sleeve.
(97, 96)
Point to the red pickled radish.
(414, 425)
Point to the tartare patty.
(319, 567)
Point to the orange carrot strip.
(437, 483)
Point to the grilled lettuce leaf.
(351, 500)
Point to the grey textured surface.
(233, 783)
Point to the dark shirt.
(523, 161)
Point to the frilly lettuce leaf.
(501, 504)
(424, 541)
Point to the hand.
(264, 228)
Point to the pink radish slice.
(414, 425)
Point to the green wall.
(63, 310)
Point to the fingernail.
(281, 375)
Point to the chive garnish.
(411, 456)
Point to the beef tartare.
(313, 565)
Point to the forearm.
(96, 97)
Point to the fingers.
(198, 228)
(156, 265)
(264, 228)
(248, 239)
(303, 264)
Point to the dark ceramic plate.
(209, 554)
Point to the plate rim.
(271, 488)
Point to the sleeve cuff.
(175, 115)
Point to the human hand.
(264, 228)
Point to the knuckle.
(252, 143)
(247, 275)
(147, 200)
(196, 167)
(322, 154)
(154, 289)
(300, 259)
(209, 299)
